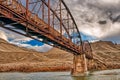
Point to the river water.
(96, 75)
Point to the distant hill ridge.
(105, 53)
(11, 53)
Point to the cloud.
(12, 35)
(31, 44)
(97, 18)
(3, 36)
(43, 48)
(23, 41)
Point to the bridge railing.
(56, 23)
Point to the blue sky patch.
(34, 43)
(87, 37)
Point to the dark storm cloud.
(99, 18)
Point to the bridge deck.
(24, 21)
(15, 14)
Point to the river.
(96, 75)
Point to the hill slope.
(108, 51)
(10, 53)
(14, 58)
(59, 54)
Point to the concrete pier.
(79, 65)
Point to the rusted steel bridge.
(49, 21)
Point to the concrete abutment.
(79, 65)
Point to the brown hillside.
(10, 53)
(59, 54)
(108, 51)
(14, 58)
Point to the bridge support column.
(79, 65)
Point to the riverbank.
(33, 67)
(52, 67)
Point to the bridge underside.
(53, 31)
(57, 41)
(52, 23)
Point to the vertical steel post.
(48, 13)
(53, 21)
(68, 23)
(27, 7)
(73, 33)
(60, 17)
(43, 11)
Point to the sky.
(96, 20)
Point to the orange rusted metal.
(50, 20)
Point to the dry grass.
(14, 58)
(33, 67)
(108, 51)
(59, 54)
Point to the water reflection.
(80, 78)
(98, 75)
(101, 75)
